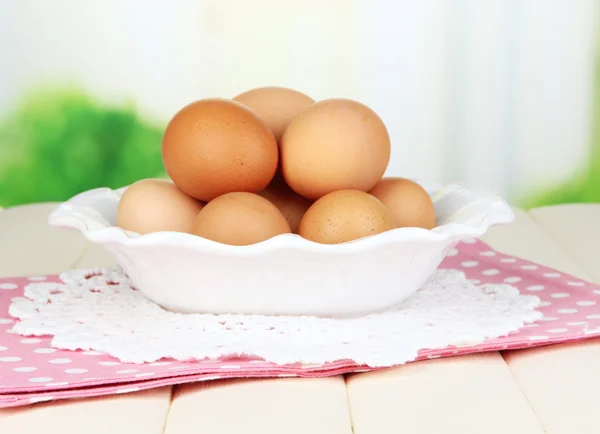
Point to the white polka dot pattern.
(32, 371)
(30, 341)
(529, 267)
(44, 350)
(59, 361)
(535, 288)
(75, 371)
(40, 379)
(109, 363)
(37, 278)
(127, 371)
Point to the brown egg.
(290, 204)
(336, 144)
(216, 146)
(409, 203)
(345, 215)
(277, 106)
(156, 205)
(240, 219)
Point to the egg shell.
(335, 144)
(276, 106)
(409, 203)
(156, 205)
(290, 204)
(345, 215)
(216, 146)
(240, 219)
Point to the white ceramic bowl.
(286, 275)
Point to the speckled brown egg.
(290, 204)
(345, 215)
(409, 203)
(240, 219)
(277, 106)
(156, 205)
(335, 144)
(216, 146)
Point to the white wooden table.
(553, 390)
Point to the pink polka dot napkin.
(32, 371)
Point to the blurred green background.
(60, 142)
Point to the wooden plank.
(576, 229)
(139, 413)
(265, 406)
(460, 395)
(29, 246)
(562, 382)
(528, 240)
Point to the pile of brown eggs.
(272, 161)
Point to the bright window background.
(499, 92)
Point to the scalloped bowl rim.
(65, 215)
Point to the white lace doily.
(103, 313)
